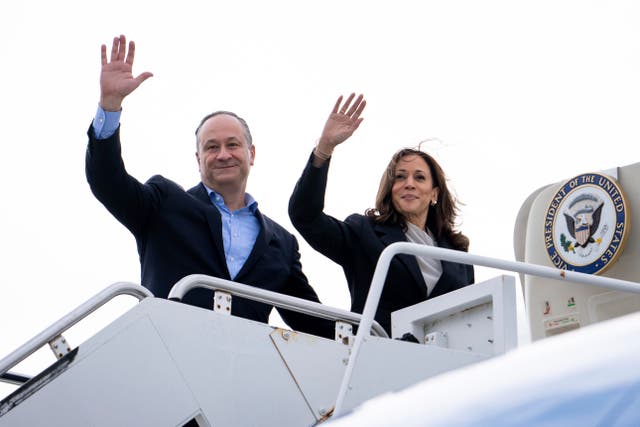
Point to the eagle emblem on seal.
(583, 219)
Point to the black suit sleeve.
(125, 197)
(324, 233)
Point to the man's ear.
(252, 151)
(198, 159)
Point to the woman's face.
(413, 190)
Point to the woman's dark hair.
(441, 217)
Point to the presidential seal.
(585, 225)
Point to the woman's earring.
(434, 202)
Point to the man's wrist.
(110, 104)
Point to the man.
(215, 228)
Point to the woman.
(413, 204)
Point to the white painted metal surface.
(67, 321)
(390, 251)
(481, 318)
(165, 363)
(553, 308)
(584, 378)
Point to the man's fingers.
(103, 54)
(143, 76)
(131, 53)
(114, 49)
(119, 51)
(122, 49)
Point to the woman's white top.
(431, 268)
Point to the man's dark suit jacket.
(180, 233)
(356, 244)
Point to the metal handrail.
(382, 267)
(73, 317)
(273, 298)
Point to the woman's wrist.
(319, 153)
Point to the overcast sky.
(514, 96)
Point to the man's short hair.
(245, 126)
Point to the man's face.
(223, 156)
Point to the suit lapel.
(260, 246)
(214, 221)
(389, 234)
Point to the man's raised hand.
(116, 77)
